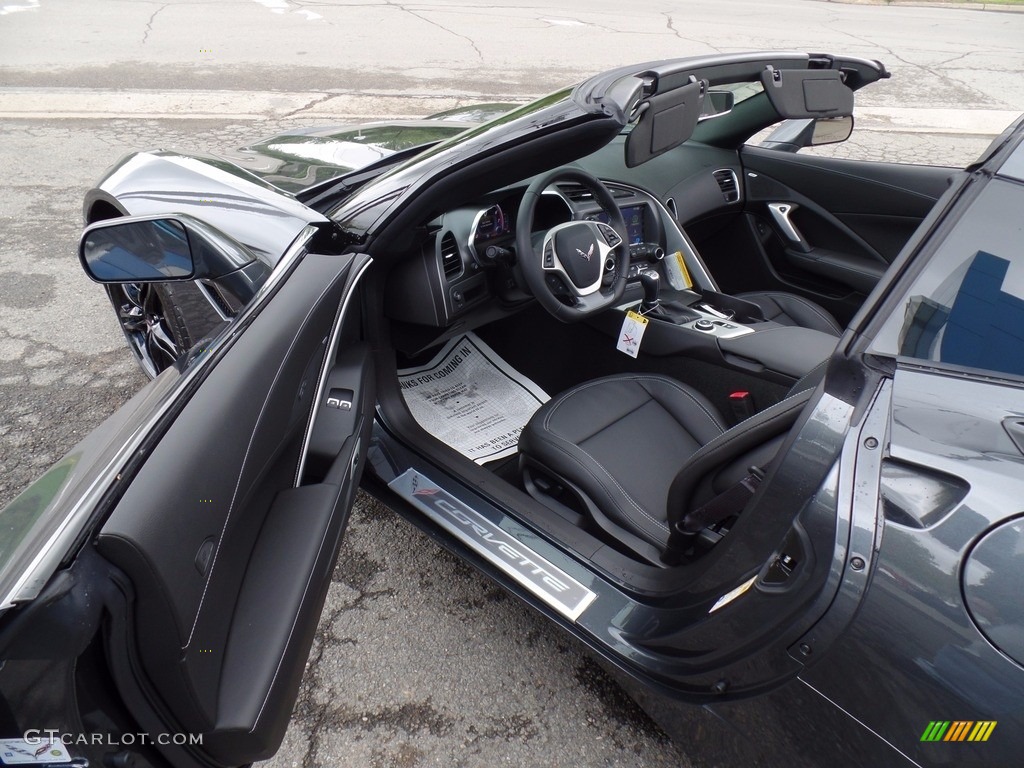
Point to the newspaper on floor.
(471, 399)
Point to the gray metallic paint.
(228, 198)
(992, 584)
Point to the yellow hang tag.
(678, 275)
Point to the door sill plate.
(498, 547)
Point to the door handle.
(781, 213)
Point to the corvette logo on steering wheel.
(588, 254)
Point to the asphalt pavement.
(418, 660)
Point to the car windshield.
(742, 91)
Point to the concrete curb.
(91, 103)
(963, 6)
(343, 106)
(960, 122)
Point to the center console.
(687, 317)
(721, 329)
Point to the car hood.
(298, 159)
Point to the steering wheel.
(581, 266)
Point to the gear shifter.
(651, 306)
(651, 283)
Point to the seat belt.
(771, 422)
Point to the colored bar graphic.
(935, 731)
(982, 730)
(958, 730)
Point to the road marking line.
(33, 5)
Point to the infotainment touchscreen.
(634, 216)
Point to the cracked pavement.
(418, 661)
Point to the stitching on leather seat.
(714, 420)
(796, 389)
(616, 419)
(556, 404)
(808, 304)
(553, 436)
(598, 464)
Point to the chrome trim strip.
(325, 369)
(540, 577)
(670, 205)
(476, 225)
(46, 561)
(717, 330)
(735, 181)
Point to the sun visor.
(668, 119)
(803, 93)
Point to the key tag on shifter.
(632, 332)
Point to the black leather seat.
(790, 309)
(633, 446)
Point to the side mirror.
(146, 249)
(831, 130)
(794, 135)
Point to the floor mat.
(471, 399)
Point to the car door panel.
(849, 212)
(857, 273)
(276, 610)
(228, 563)
(824, 228)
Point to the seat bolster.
(692, 410)
(790, 309)
(563, 459)
(745, 438)
(581, 412)
(586, 435)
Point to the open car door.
(219, 537)
(227, 536)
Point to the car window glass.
(966, 308)
(874, 144)
(27, 517)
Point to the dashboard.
(469, 261)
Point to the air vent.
(580, 194)
(576, 192)
(728, 183)
(451, 259)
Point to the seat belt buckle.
(755, 476)
(742, 404)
